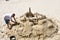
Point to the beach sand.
(50, 8)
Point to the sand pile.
(33, 27)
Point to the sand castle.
(33, 26)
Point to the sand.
(20, 7)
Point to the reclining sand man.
(10, 18)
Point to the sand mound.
(36, 27)
(33, 27)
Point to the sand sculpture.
(33, 26)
